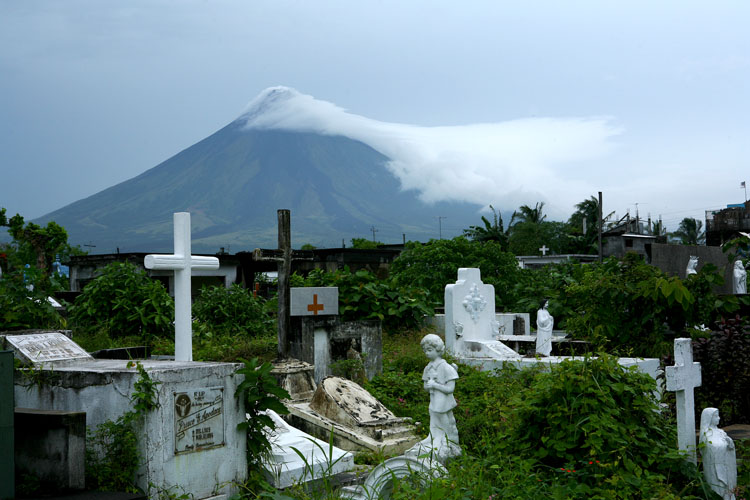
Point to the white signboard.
(198, 419)
(45, 347)
(314, 301)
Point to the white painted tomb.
(190, 440)
(285, 467)
(472, 336)
(682, 378)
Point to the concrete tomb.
(358, 420)
(682, 378)
(286, 467)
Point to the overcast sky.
(647, 101)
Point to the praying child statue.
(440, 381)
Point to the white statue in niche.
(544, 324)
(692, 266)
(740, 277)
(719, 457)
(440, 380)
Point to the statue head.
(709, 419)
(433, 341)
(543, 303)
(738, 265)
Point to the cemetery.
(572, 380)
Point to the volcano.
(233, 182)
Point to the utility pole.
(373, 233)
(601, 223)
(440, 224)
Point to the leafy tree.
(218, 309)
(586, 215)
(526, 238)
(492, 231)
(308, 246)
(689, 232)
(124, 301)
(365, 244)
(42, 242)
(658, 228)
(433, 265)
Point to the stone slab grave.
(472, 333)
(191, 439)
(359, 421)
(285, 467)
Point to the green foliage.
(630, 308)
(724, 355)
(365, 244)
(21, 308)
(308, 246)
(433, 265)
(38, 244)
(259, 391)
(112, 457)
(124, 301)
(526, 238)
(363, 296)
(219, 310)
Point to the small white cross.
(544, 250)
(682, 378)
(181, 262)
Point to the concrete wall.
(673, 259)
(103, 388)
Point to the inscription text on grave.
(198, 419)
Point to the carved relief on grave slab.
(474, 302)
(198, 419)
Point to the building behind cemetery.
(726, 224)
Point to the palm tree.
(492, 231)
(527, 214)
(689, 232)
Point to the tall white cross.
(544, 250)
(181, 262)
(682, 378)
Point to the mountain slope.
(233, 182)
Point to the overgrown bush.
(219, 310)
(21, 308)
(124, 301)
(725, 370)
(433, 265)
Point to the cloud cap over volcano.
(507, 163)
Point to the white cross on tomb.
(181, 262)
(682, 378)
(544, 250)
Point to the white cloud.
(507, 164)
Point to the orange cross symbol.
(315, 307)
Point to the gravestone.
(682, 378)
(471, 329)
(181, 262)
(358, 420)
(37, 349)
(285, 467)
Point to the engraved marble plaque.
(45, 347)
(198, 419)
